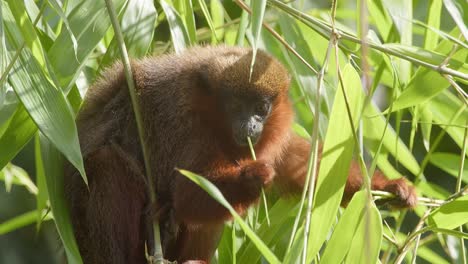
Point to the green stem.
(157, 250)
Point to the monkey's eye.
(262, 108)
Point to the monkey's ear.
(205, 81)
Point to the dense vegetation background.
(397, 69)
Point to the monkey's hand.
(405, 194)
(255, 175)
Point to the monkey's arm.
(292, 170)
(239, 183)
(107, 219)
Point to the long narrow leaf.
(46, 104)
(335, 162)
(218, 196)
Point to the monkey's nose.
(254, 129)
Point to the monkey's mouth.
(242, 141)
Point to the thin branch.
(308, 20)
(157, 251)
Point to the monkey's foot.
(405, 194)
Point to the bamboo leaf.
(52, 162)
(217, 13)
(186, 11)
(335, 162)
(457, 15)
(88, 22)
(450, 215)
(18, 133)
(180, 38)
(340, 241)
(444, 108)
(137, 24)
(433, 21)
(218, 196)
(207, 15)
(450, 163)
(282, 211)
(22, 221)
(45, 103)
(56, 5)
(42, 194)
(258, 11)
(351, 238)
(365, 246)
(426, 84)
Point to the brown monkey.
(198, 109)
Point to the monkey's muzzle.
(251, 127)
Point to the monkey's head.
(248, 102)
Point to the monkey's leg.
(108, 224)
(197, 244)
(240, 185)
(291, 174)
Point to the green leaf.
(457, 15)
(244, 22)
(137, 25)
(53, 163)
(433, 21)
(336, 158)
(401, 12)
(42, 194)
(450, 163)
(374, 126)
(217, 13)
(426, 83)
(258, 11)
(42, 25)
(450, 215)
(12, 174)
(380, 16)
(207, 15)
(29, 36)
(430, 256)
(281, 215)
(365, 246)
(18, 133)
(56, 5)
(180, 38)
(89, 22)
(218, 196)
(445, 107)
(358, 234)
(185, 9)
(340, 241)
(22, 221)
(45, 103)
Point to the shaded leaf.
(180, 38)
(52, 162)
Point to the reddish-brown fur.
(185, 128)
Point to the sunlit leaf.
(336, 158)
(450, 215)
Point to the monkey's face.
(247, 116)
